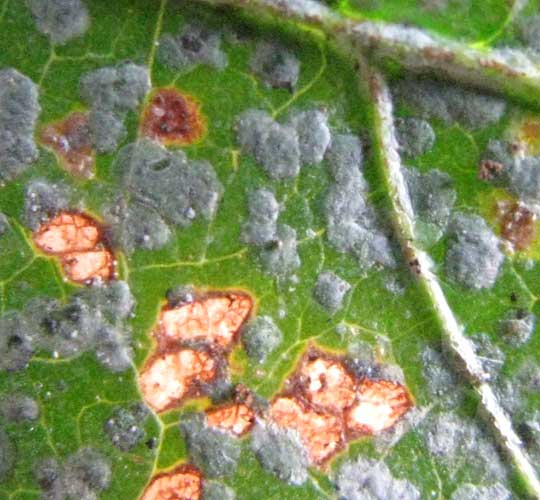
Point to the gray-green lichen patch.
(275, 65)
(111, 92)
(415, 136)
(60, 20)
(83, 475)
(19, 110)
(313, 131)
(261, 225)
(517, 327)
(4, 224)
(432, 197)
(441, 380)
(469, 491)
(7, 454)
(92, 319)
(449, 103)
(125, 426)
(213, 451)
(367, 478)
(280, 257)
(352, 224)
(160, 187)
(274, 146)
(528, 29)
(44, 200)
(473, 258)
(214, 490)
(179, 189)
(195, 44)
(489, 353)
(260, 337)
(281, 452)
(330, 291)
(19, 407)
(132, 225)
(449, 438)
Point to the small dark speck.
(513, 297)
(151, 443)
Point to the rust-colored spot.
(380, 404)
(70, 140)
(321, 433)
(172, 118)
(438, 55)
(77, 240)
(84, 267)
(325, 381)
(489, 170)
(236, 418)
(517, 224)
(183, 483)
(169, 377)
(67, 232)
(214, 319)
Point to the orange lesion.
(168, 378)
(71, 141)
(77, 241)
(182, 483)
(321, 433)
(172, 118)
(214, 319)
(67, 232)
(236, 418)
(329, 405)
(325, 381)
(379, 405)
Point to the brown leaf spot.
(489, 170)
(236, 418)
(168, 378)
(71, 142)
(172, 118)
(183, 483)
(215, 319)
(380, 404)
(517, 224)
(321, 433)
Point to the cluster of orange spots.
(329, 406)
(172, 118)
(70, 140)
(517, 224)
(76, 239)
(214, 319)
(182, 483)
(177, 370)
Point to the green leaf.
(353, 227)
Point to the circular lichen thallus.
(172, 118)
(77, 240)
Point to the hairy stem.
(453, 336)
